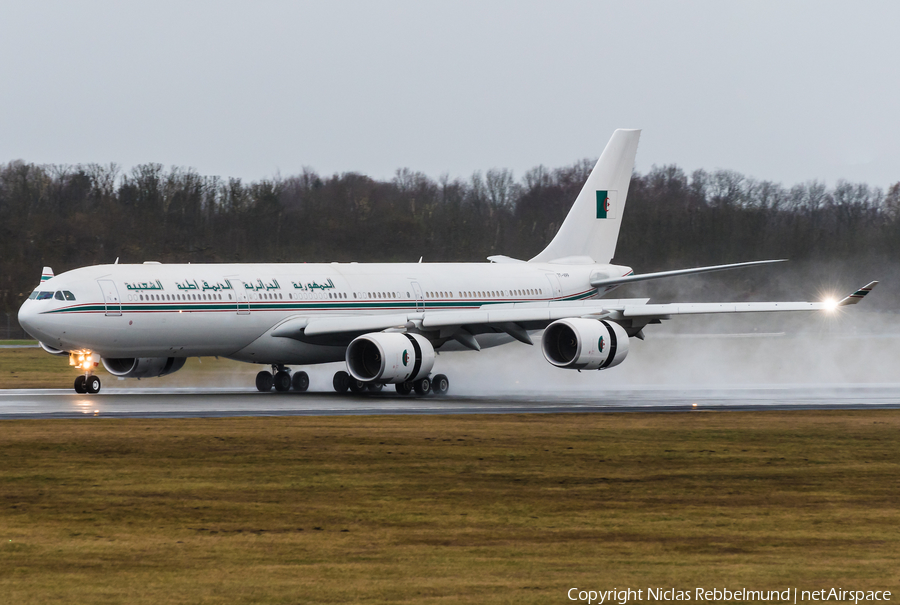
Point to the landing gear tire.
(375, 387)
(358, 387)
(404, 388)
(341, 381)
(264, 381)
(300, 381)
(79, 385)
(422, 387)
(282, 381)
(440, 384)
(92, 385)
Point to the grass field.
(462, 509)
(32, 368)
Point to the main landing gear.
(438, 385)
(282, 379)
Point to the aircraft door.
(555, 288)
(242, 298)
(420, 298)
(110, 297)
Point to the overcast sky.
(785, 91)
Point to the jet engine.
(584, 344)
(142, 367)
(51, 350)
(390, 357)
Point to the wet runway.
(194, 403)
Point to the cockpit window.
(58, 295)
(33, 295)
(68, 295)
(44, 295)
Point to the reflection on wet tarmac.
(187, 402)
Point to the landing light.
(830, 304)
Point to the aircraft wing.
(516, 319)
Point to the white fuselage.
(160, 310)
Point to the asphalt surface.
(195, 403)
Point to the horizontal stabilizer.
(506, 260)
(601, 282)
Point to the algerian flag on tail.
(606, 204)
(591, 228)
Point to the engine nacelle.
(142, 367)
(392, 357)
(584, 344)
(51, 350)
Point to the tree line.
(70, 216)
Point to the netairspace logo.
(790, 595)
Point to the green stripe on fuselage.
(309, 306)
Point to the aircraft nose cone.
(27, 316)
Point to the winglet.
(46, 274)
(858, 295)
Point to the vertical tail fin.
(592, 226)
(46, 274)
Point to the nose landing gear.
(87, 382)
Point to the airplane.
(386, 322)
